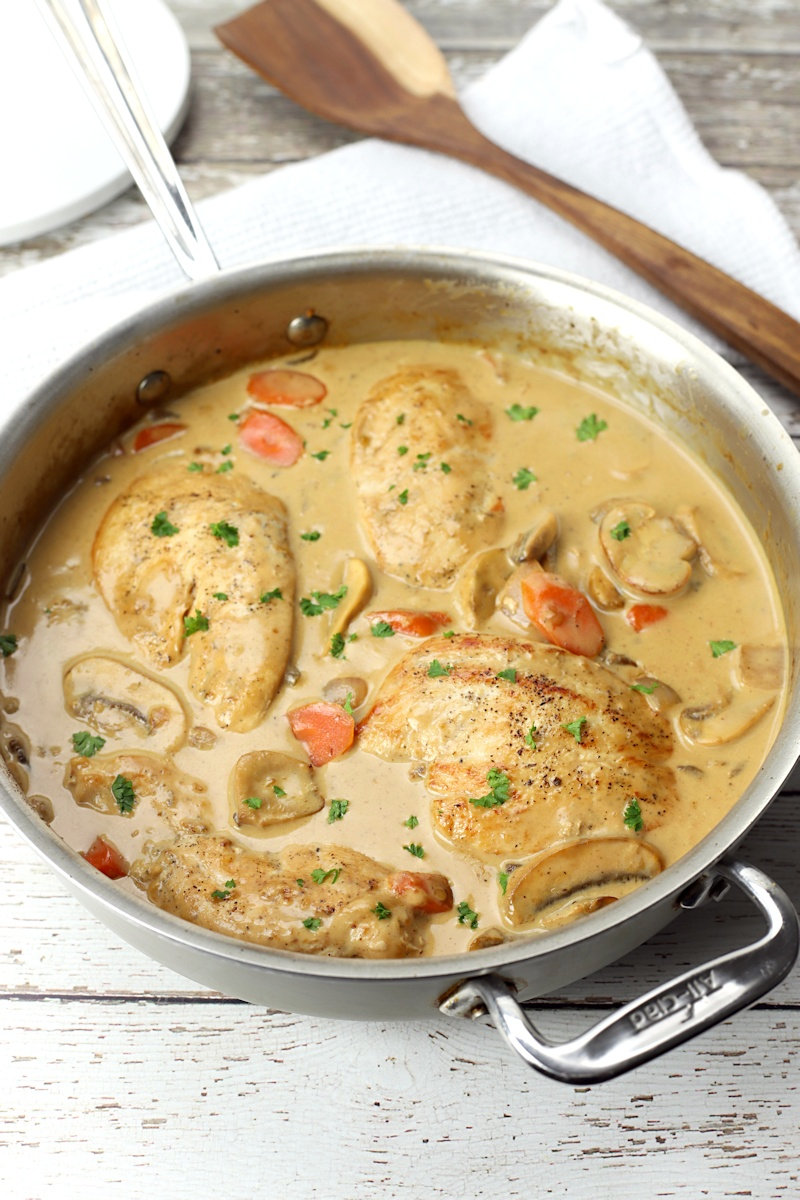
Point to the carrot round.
(294, 389)
(106, 858)
(641, 616)
(155, 433)
(411, 622)
(326, 730)
(561, 613)
(270, 438)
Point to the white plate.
(58, 161)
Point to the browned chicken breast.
(419, 446)
(201, 562)
(528, 746)
(313, 899)
(155, 782)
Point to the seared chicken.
(572, 741)
(172, 583)
(156, 783)
(313, 899)
(419, 446)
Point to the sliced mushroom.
(648, 553)
(345, 686)
(760, 666)
(724, 720)
(15, 752)
(714, 558)
(602, 591)
(533, 891)
(202, 738)
(268, 787)
(42, 806)
(358, 581)
(660, 696)
(479, 584)
(488, 938)
(118, 699)
(181, 800)
(534, 543)
(579, 908)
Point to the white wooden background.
(120, 1079)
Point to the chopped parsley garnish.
(437, 669)
(464, 420)
(194, 624)
(445, 468)
(254, 802)
(219, 894)
(403, 496)
(523, 479)
(320, 875)
(223, 467)
(632, 816)
(448, 633)
(381, 629)
(502, 880)
(278, 791)
(123, 793)
(321, 455)
(233, 416)
(194, 466)
(348, 703)
(313, 535)
(412, 822)
(620, 531)
(228, 534)
(161, 526)
(220, 595)
(646, 689)
(499, 783)
(275, 594)
(337, 810)
(86, 744)
(722, 647)
(381, 911)
(576, 727)
(530, 739)
(226, 449)
(300, 882)
(590, 427)
(337, 645)
(320, 601)
(401, 418)
(401, 450)
(467, 915)
(415, 849)
(8, 643)
(334, 413)
(510, 674)
(422, 461)
(312, 923)
(518, 413)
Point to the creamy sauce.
(59, 613)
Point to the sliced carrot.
(326, 730)
(561, 613)
(426, 892)
(295, 389)
(270, 438)
(155, 433)
(106, 858)
(640, 616)
(411, 622)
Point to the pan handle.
(95, 51)
(667, 1015)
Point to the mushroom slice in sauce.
(713, 558)
(594, 863)
(488, 938)
(180, 800)
(760, 666)
(268, 787)
(649, 553)
(533, 544)
(118, 699)
(313, 899)
(15, 751)
(478, 586)
(602, 591)
(724, 720)
(358, 582)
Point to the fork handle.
(759, 329)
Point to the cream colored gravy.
(59, 613)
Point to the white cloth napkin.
(580, 96)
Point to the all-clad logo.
(671, 1002)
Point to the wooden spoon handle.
(760, 330)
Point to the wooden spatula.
(368, 65)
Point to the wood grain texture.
(122, 1079)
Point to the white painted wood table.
(119, 1078)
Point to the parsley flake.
(334, 412)
(415, 849)
(401, 418)
(632, 817)
(321, 455)
(161, 526)
(320, 601)
(464, 420)
(312, 923)
(233, 416)
(275, 594)
(279, 791)
(518, 413)
(523, 479)
(86, 744)
(226, 449)
(219, 894)
(194, 466)
(502, 880)
(194, 624)
(313, 535)
(576, 727)
(337, 645)
(422, 461)
(403, 496)
(223, 467)
(411, 822)
(254, 802)
(8, 644)
(123, 793)
(646, 689)
(220, 595)
(530, 739)
(337, 810)
(621, 531)
(590, 427)
(467, 915)
(401, 450)
(445, 468)
(348, 703)
(320, 875)
(228, 534)
(722, 647)
(381, 629)
(510, 674)
(381, 911)
(499, 784)
(448, 633)
(437, 669)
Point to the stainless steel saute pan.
(229, 318)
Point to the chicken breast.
(187, 561)
(313, 899)
(156, 783)
(551, 745)
(426, 499)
